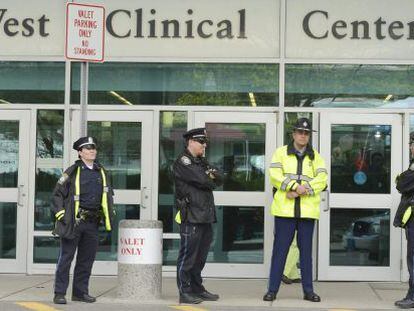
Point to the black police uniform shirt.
(193, 184)
(91, 187)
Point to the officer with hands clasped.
(298, 173)
(195, 180)
(82, 199)
(404, 219)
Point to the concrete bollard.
(140, 259)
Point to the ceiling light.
(252, 100)
(120, 98)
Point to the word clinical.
(173, 28)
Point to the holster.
(90, 216)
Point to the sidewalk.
(233, 292)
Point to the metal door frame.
(360, 273)
(142, 196)
(19, 195)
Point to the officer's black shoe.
(269, 296)
(59, 299)
(207, 296)
(312, 297)
(405, 303)
(84, 298)
(286, 280)
(190, 298)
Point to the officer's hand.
(211, 172)
(291, 195)
(301, 190)
(60, 216)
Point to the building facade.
(244, 69)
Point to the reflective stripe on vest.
(406, 216)
(77, 192)
(178, 218)
(104, 200)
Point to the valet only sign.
(140, 246)
(85, 31)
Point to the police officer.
(195, 180)
(82, 199)
(404, 219)
(298, 172)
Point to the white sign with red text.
(140, 246)
(85, 32)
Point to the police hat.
(83, 141)
(198, 133)
(303, 124)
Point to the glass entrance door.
(14, 163)
(125, 149)
(356, 238)
(240, 145)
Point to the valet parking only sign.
(85, 32)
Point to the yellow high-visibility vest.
(284, 176)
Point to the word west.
(26, 27)
(132, 246)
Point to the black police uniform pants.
(409, 233)
(195, 243)
(284, 232)
(86, 242)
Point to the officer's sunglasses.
(302, 132)
(201, 141)
(89, 147)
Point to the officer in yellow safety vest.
(404, 219)
(298, 173)
(82, 199)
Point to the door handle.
(20, 195)
(325, 200)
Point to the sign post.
(85, 42)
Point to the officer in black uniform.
(404, 218)
(82, 199)
(195, 180)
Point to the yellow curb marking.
(37, 306)
(341, 310)
(187, 308)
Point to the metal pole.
(84, 98)
(67, 116)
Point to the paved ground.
(19, 292)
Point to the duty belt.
(90, 216)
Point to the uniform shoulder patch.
(63, 179)
(185, 160)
